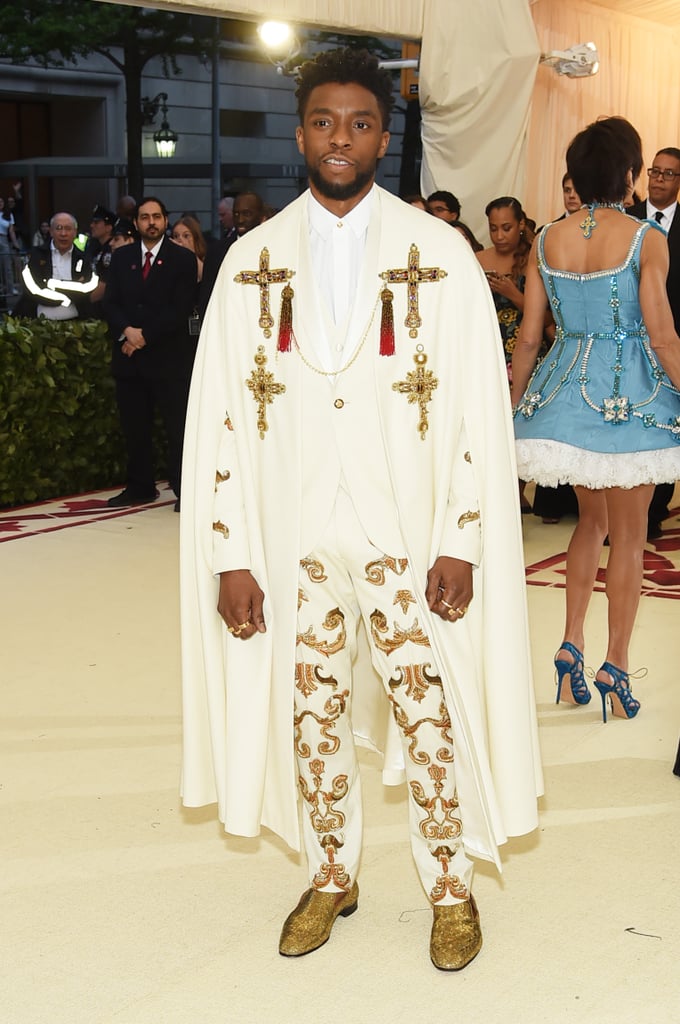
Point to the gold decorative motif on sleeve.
(419, 386)
(467, 457)
(375, 571)
(219, 527)
(221, 477)
(263, 278)
(263, 388)
(334, 620)
(413, 275)
(379, 627)
(467, 517)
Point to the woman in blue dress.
(602, 409)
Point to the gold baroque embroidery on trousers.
(467, 517)
(323, 815)
(413, 634)
(307, 676)
(301, 597)
(375, 571)
(419, 386)
(412, 276)
(219, 527)
(334, 707)
(227, 422)
(221, 478)
(263, 388)
(334, 620)
(468, 457)
(440, 823)
(314, 570)
(446, 883)
(410, 732)
(331, 873)
(415, 680)
(404, 598)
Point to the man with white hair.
(58, 279)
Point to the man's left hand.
(449, 588)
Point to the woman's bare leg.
(627, 516)
(583, 559)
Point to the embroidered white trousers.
(346, 577)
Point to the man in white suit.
(353, 460)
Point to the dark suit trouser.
(137, 399)
(658, 508)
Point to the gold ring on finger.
(445, 603)
(451, 612)
(244, 625)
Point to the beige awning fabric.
(477, 74)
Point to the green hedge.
(59, 430)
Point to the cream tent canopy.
(495, 122)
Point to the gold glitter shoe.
(309, 925)
(456, 936)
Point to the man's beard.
(337, 190)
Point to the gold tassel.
(286, 319)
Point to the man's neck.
(340, 207)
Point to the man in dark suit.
(58, 278)
(248, 213)
(661, 206)
(149, 300)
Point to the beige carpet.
(119, 907)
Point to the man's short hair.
(346, 66)
(150, 199)
(449, 200)
(565, 178)
(64, 213)
(670, 151)
(259, 201)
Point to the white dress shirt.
(667, 218)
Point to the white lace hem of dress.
(550, 463)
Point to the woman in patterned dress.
(602, 409)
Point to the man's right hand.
(134, 340)
(240, 604)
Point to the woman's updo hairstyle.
(599, 158)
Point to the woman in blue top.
(602, 409)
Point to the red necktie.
(147, 265)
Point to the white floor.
(120, 907)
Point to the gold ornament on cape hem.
(263, 278)
(419, 385)
(413, 275)
(263, 388)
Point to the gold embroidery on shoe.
(419, 386)
(415, 680)
(467, 517)
(334, 707)
(219, 527)
(331, 873)
(414, 634)
(334, 620)
(263, 278)
(314, 570)
(375, 571)
(413, 275)
(404, 598)
(307, 676)
(263, 388)
(221, 477)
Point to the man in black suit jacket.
(58, 278)
(149, 300)
(661, 205)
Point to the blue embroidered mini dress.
(599, 410)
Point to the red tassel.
(387, 324)
(286, 319)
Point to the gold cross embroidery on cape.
(413, 276)
(263, 278)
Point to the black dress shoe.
(177, 505)
(125, 499)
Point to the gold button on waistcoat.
(338, 403)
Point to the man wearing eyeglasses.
(661, 206)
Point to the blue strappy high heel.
(573, 669)
(622, 703)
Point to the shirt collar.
(62, 254)
(668, 211)
(154, 251)
(323, 221)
